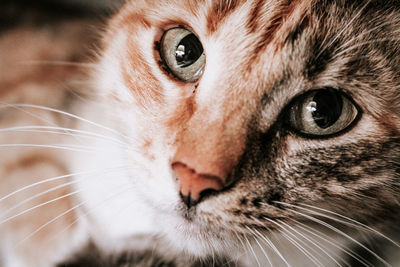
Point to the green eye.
(322, 113)
(183, 54)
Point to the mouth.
(187, 211)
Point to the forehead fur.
(314, 43)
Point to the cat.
(211, 132)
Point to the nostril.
(194, 186)
(188, 200)
(207, 192)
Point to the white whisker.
(53, 179)
(32, 114)
(342, 234)
(66, 131)
(52, 188)
(353, 221)
(237, 256)
(303, 250)
(85, 213)
(311, 241)
(260, 246)
(271, 244)
(49, 222)
(241, 242)
(252, 251)
(56, 146)
(39, 205)
(65, 114)
(330, 241)
(298, 246)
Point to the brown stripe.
(296, 32)
(219, 11)
(254, 16)
(135, 18)
(275, 22)
(139, 77)
(193, 6)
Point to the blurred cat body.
(113, 157)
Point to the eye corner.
(156, 45)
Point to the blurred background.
(33, 12)
(90, 5)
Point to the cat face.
(243, 115)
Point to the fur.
(289, 198)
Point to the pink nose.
(193, 184)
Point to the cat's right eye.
(183, 54)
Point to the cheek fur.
(228, 127)
(142, 83)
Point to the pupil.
(327, 108)
(188, 51)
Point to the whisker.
(299, 247)
(67, 114)
(353, 221)
(66, 131)
(53, 179)
(241, 241)
(304, 251)
(36, 196)
(61, 147)
(342, 234)
(33, 115)
(271, 244)
(39, 205)
(84, 214)
(259, 245)
(327, 239)
(49, 222)
(359, 227)
(50, 189)
(47, 202)
(237, 256)
(252, 251)
(311, 241)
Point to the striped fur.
(289, 199)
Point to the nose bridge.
(211, 147)
(206, 152)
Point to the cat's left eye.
(322, 113)
(183, 54)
